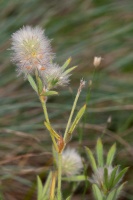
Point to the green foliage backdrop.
(82, 30)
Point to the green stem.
(47, 120)
(90, 87)
(44, 109)
(59, 175)
(42, 98)
(72, 111)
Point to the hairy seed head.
(71, 162)
(55, 76)
(31, 50)
(98, 176)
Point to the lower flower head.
(98, 175)
(71, 162)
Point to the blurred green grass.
(82, 30)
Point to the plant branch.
(59, 175)
(82, 83)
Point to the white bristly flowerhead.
(98, 176)
(71, 162)
(31, 50)
(55, 76)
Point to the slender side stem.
(53, 183)
(54, 142)
(59, 175)
(72, 111)
(44, 109)
(89, 88)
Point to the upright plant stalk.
(59, 175)
(44, 109)
(35, 57)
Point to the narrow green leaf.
(120, 176)
(52, 131)
(106, 178)
(53, 135)
(77, 118)
(99, 151)
(39, 188)
(91, 158)
(110, 155)
(40, 85)
(97, 192)
(70, 69)
(118, 191)
(74, 178)
(112, 176)
(49, 93)
(47, 185)
(39, 82)
(32, 83)
(66, 63)
(111, 195)
(68, 198)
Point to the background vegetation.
(81, 29)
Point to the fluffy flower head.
(55, 76)
(31, 50)
(98, 176)
(71, 162)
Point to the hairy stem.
(59, 175)
(44, 109)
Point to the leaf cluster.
(109, 187)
